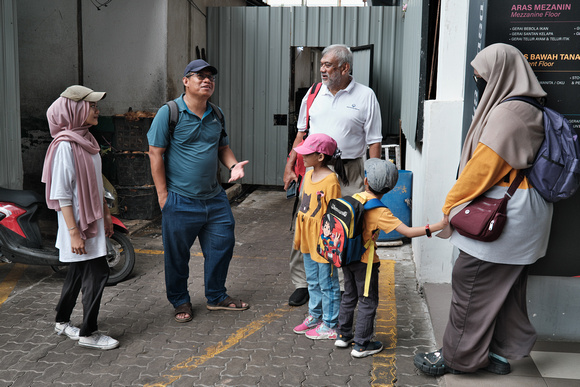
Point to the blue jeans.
(185, 219)
(324, 291)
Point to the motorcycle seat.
(24, 198)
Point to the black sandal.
(432, 363)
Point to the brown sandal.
(184, 308)
(225, 305)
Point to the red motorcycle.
(21, 239)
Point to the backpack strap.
(311, 96)
(174, 117)
(220, 117)
(530, 100)
(370, 245)
(373, 203)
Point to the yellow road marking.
(9, 282)
(160, 252)
(150, 252)
(195, 361)
(383, 372)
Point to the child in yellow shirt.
(320, 185)
(380, 177)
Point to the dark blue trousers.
(184, 220)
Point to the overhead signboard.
(548, 34)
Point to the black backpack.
(174, 117)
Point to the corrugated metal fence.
(10, 157)
(251, 47)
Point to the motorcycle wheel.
(120, 257)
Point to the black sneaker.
(366, 350)
(498, 366)
(299, 297)
(432, 363)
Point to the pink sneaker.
(308, 323)
(322, 332)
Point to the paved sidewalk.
(222, 348)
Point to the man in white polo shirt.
(349, 113)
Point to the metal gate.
(252, 48)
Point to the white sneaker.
(70, 330)
(98, 341)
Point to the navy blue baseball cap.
(198, 65)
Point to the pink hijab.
(65, 120)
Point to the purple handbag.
(484, 218)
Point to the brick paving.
(221, 348)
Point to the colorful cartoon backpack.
(340, 239)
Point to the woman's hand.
(77, 243)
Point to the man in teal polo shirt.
(193, 203)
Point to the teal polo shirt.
(191, 155)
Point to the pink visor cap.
(318, 142)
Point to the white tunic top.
(64, 187)
(352, 118)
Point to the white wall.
(434, 165)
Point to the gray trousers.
(488, 313)
(354, 285)
(355, 172)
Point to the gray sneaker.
(68, 329)
(98, 341)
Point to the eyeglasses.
(202, 76)
(93, 105)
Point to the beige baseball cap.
(81, 93)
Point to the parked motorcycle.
(21, 240)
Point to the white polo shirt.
(352, 118)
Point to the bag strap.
(174, 117)
(530, 100)
(514, 185)
(314, 89)
(373, 203)
(309, 101)
(220, 117)
(370, 246)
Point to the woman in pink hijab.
(74, 188)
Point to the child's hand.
(439, 225)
